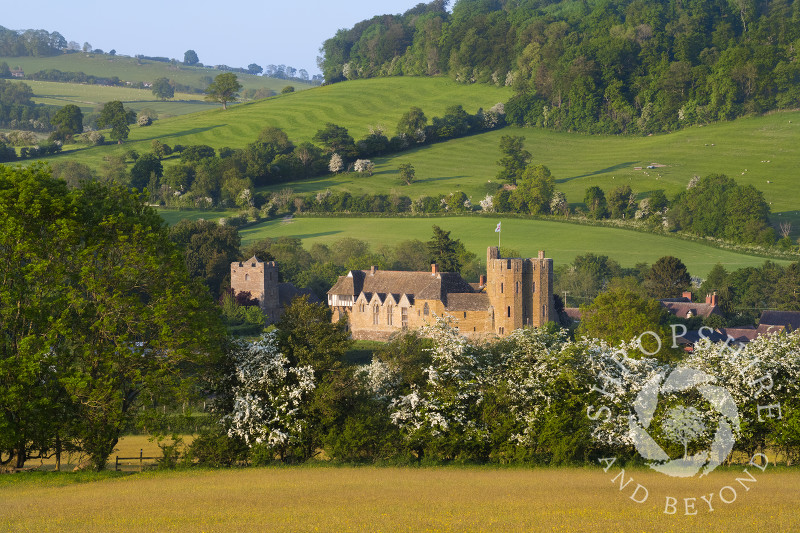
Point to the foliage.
(719, 207)
(515, 158)
(190, 58)
(667, 278)
(209, 249)
(116, 320)
(534, 191)
(406, 173)
(68, 122)
(163, 89)
(114, 116)
(600, 68)
(224, 89)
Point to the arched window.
(376, 314)
(247, 277)
(426, 310)
(389, 310)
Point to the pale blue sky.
(235, 33)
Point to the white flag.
(497, 229)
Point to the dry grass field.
(400, 499)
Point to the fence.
(140, 458)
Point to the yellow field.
(400, 499)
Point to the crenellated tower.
(520, 291)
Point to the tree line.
(624, 66)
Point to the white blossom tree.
(336, 164)
(269, 396)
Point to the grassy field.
(560, 241)
(356, 105)
(760, 151)
(135, 70)
(90, 97)
(401, 499)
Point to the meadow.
(356, 105)
(139, 70)
(560, 241)
(91, 97)
(400, 499)
(759, 151)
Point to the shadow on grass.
(601, 171)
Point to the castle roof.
(478, 301)
(416, 285)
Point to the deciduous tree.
(225, 88)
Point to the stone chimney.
(688, 295)
(434, 269)
(372, 270)
(482, 281)
(712, 298)
(541, 254)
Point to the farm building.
(515, 292)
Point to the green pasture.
(357, 105)
(173, 216)
(739, 149)
(135, 70)
(90, 97)
(560, 241)
(345, 499)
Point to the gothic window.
(389, 310)
(376, 314)
(501, 330)
(426, 310)
(404, 317)
(247, 277)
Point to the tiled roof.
(682, 309)
(417, 285)
(791, 319)
(478, 301)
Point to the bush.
(215, 449)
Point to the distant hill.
(600, 66)
(131, 69)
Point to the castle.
(260, 279)
(515, 292)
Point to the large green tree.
(412, 124)
(620, 315)
(98, 315)
(225, 88)
(444, 251)
(667, 278)
(115, 116)
(514, 160)
(209, 250)
(163, 89)
(534, 191)
(68, 121)
(190, 58)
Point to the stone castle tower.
(520, 291)
(260, 279)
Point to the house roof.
(740, 334)
(417, 285)
(683, 308)
(788, 319)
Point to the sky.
(288, 32)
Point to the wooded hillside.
(610, 66)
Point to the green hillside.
(139, 70)
(89, 97)
(761, 151)
(560, 241)
(357, 106)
